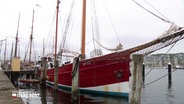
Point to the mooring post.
(75, 80)
(35, 72)
(43, 71)
(143, 72)
(169, 74)
(56, 75)
(136, 88)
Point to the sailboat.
(108, 74)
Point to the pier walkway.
(6, 88)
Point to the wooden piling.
(169, 74)
(75, 80)
(56, 75)
(43, 71)
(136, 88)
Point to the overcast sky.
(133, 25)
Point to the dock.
(6, 89)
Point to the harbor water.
(158, 92)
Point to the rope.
(111, 21)
(92, 25)
(119, 47)
(50, 33)
(162, 57)
(156, 10)
(158, 62)
(95, 25)
(75, 69)
(159, 43)
(68, 22)
(152, 12)
(159, 78)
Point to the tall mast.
(55, 53)
(16, 38)
(31, 38)
(83, 29)
(57, 13)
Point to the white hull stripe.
(113, 90)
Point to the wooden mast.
(55, 53)
(31, 38)
(16, 38)
(83, 29)
(56, 35)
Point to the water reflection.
(170, 95)
(161, 92)
(158, 93)
(43, 94)
(49, 96)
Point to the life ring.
(118, 74)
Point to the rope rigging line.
(67, 25)
(169, 38)
(50, 34)
(93, 35)
(111, 21)
(159, 78)
(157, 10)
(95, 29)
(158, 62)
(95, 25)
(152, 12)
(173, 42)
(161, 58)
(119, 47)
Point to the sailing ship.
(107, 74)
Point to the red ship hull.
(100, 71)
